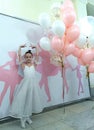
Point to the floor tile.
(55, 126)
(78, 116)
(81, 107)
(41, 120)
(81, 121)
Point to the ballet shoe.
(29, 121)
(23, 121)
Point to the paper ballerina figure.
(10, 77)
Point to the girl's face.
(28, 57)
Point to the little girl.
(27, 97)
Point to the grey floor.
(78, 116)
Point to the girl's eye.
(28, 57)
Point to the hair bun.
(29, 51)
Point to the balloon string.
(87, 73)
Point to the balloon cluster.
(61, 32)
(85, 43)
(66, 36)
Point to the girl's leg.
(23, 121)
(28, 119)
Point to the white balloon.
(44, 20)
(34, 35)
(81, 41)
(45, 43)
(58, 28)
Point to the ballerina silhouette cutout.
(79, 76)
(66, 66)
(10, 77)
(46, 69)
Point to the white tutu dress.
(27, 97)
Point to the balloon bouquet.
(60, 34)
(85, 43)
(63, 36)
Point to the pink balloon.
(69, 17)
(80, 62)
(91, 67)
(72, 33)
(57, 44)
(67, 4)
(69, 49)
(64, 8)
(87, 56)
(77, 52)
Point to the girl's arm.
(20, 57)
(36, 55)
(19, 54)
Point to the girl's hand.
(22, 46)
(32, 46)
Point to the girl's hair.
(29, 51)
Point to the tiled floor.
(78, 116)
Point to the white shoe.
(29, 120)
(23, 121)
